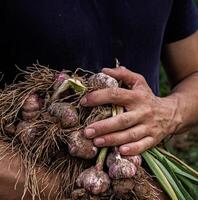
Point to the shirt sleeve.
(182, 22)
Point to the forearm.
(185, 96)
(12, 178)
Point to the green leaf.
(171, 180)
(63, 87)
(189, 176)
(192, 188)
(151, 161)
(101, 157)
(179, 184)
(77, 85)
(177, 160)
(176, 167)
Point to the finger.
(122, 73)
(114, 124)
(117, 96)
(136, 148)
(122, 137)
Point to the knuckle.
(132, 135)
(124, 120)
(149, 111)
(142, 95)
(139, 96)
(114, 93)
(152, 134)
(155, 131)
(99, 127)
(140, 78)
(136, 149)
(149, 130)
(133, 96)
(122, 69)
(109, 140)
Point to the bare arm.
(12, 178)
(181, 63)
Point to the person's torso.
(88, 34)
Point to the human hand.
(148, 119)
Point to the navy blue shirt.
(91, 33)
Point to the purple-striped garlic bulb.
(136, 160)
(66, 113)
(101, 81)
(94, 180)
(81, 147)
(31, 107)
(120, 168)
(60, 79)
(27, 132)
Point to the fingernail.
(83, 101)
(89, 132)
(99, 141)
(124, 150)
(105, 69)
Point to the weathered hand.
(147, 120)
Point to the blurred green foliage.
(189, 155)
(164, 85)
